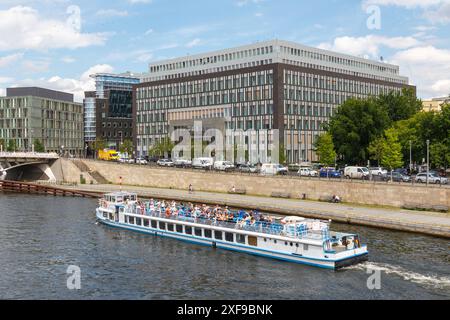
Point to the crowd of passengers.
(215, 213)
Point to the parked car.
(397, 177)
(403, 171)
(330, 173)
(124, 160)
(203, 163)
(308, 172)
(165, 163)
(356, 173)
(141, 161)
(182, 163)
(248, 168)
(273, 169)
(432, 178)
(223, 166)
(378, 171)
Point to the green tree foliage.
(355, 125)
(426, 126)
(400, 105)
(161, 148)
(99, 144)
(376, 149)
(392, 151)
(11, 146)
(127, 147)
(3, 144)
(325, 149)
(38, 146)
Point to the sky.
(57, 44)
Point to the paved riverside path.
(414, 221)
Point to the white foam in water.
(430, 280)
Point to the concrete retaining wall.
(366, 193)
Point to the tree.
(11, 146)
(325, 149)
(127, 147)
(99, 144)
(376, 149)
(355, 125)
(392, 154)
(440, 155)
(161, 148)
(400, 105)
(2, 144)
(38, 146)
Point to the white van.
(272, 169)
(356, 173)
(203, 163)
(223, 166)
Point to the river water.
(40, 237)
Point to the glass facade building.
(109, 109)
(277, 90)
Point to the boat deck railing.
(268, 228)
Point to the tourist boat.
(292, 239)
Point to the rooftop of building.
(39, 92)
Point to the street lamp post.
(410, 157)
(428, 161)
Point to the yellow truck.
(108, 155)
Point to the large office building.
(435, 104)
(52, 117)
(275, 91)
(108, 110)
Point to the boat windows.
(154, 224)
(305, 247)
(253, 241)
(297, 245)
(188, 230)
(198, 232)
(138, 221)
(179, 228)
(170, 227)
(111, 217)
(275, 241)
(146, 223)
(131, 220)
(208, 233)
(240, 238)
(105, 215)
(286, 243)
(162, 225)
(229, 237)
(218, 235)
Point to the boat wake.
(433, 281)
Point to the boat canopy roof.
(120, 197)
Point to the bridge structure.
(20, 165)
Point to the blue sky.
(44, 43)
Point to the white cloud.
(23, 28)
(74, 86)
(68, 59)
(369, 45)
(111, 13)
(439, 15)
(4, 80)
(2, 92)
(428, 67)
(409, 4)
(242, 3)
(36, 66)
(193, 43)
(139, 1)
(7, 60)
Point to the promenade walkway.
(414, 221)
